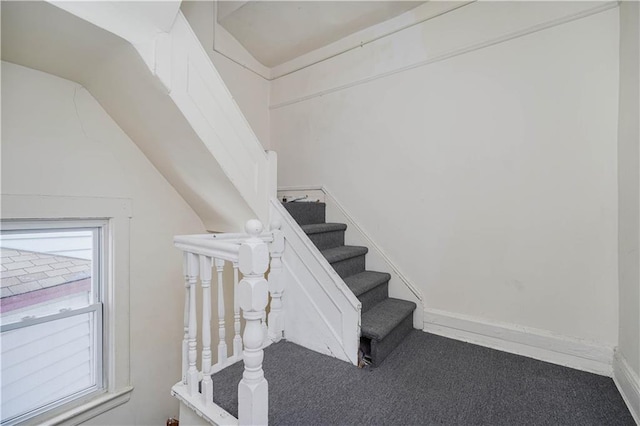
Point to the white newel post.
(253, 391)
(276, 285)
(237, 339)
(192, 372)
(205, 279)
(222, 334)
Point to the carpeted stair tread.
(325, 235)
(384, 322)
(381, 319)
(306, 213)
(365, 281)
(316, 228)
(337, 254)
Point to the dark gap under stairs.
(385, 321)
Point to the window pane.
(50, 313)
(48, 362)
(46, 272)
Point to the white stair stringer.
(163, 38)
(321, 313)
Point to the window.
(69, 331)
(50, 314)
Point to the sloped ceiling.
(275, 32)
(41, 36)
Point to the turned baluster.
(205, 279)
(276, 285)
(237, 338)
(185, 337)
(192, 372)
(253, 389)
(222, 344)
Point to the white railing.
(248, 254)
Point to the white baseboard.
(628, 384)
(533, 343)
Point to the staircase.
(385, 321)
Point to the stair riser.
(373, 296)
(306, 213)
(350, 266)
(327, 240)
(381, 349)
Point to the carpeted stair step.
(346, 260)
(369, 287)
(384, 321)
(325, 235)
(385, 325)
(306, 213)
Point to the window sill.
(95, 406)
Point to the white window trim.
(117, 212)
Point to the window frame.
(98, 229)
(115, 215)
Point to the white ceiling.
(275, 32)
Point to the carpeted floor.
(427, 380)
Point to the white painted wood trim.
(301, 188)
(229, 237)
(93, 408)
(302, 195)
(211, 413)
(217, 249)
(533, 343)
(372, 245)
(628, 383)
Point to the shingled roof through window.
(26, 271)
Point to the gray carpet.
(428, 380)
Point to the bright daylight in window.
(50, 314)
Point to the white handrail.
(266, 237)
(218, 250)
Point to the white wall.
(481, 159)
(251, 93)
(57, 140)
(629, 185)
(250, 90)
